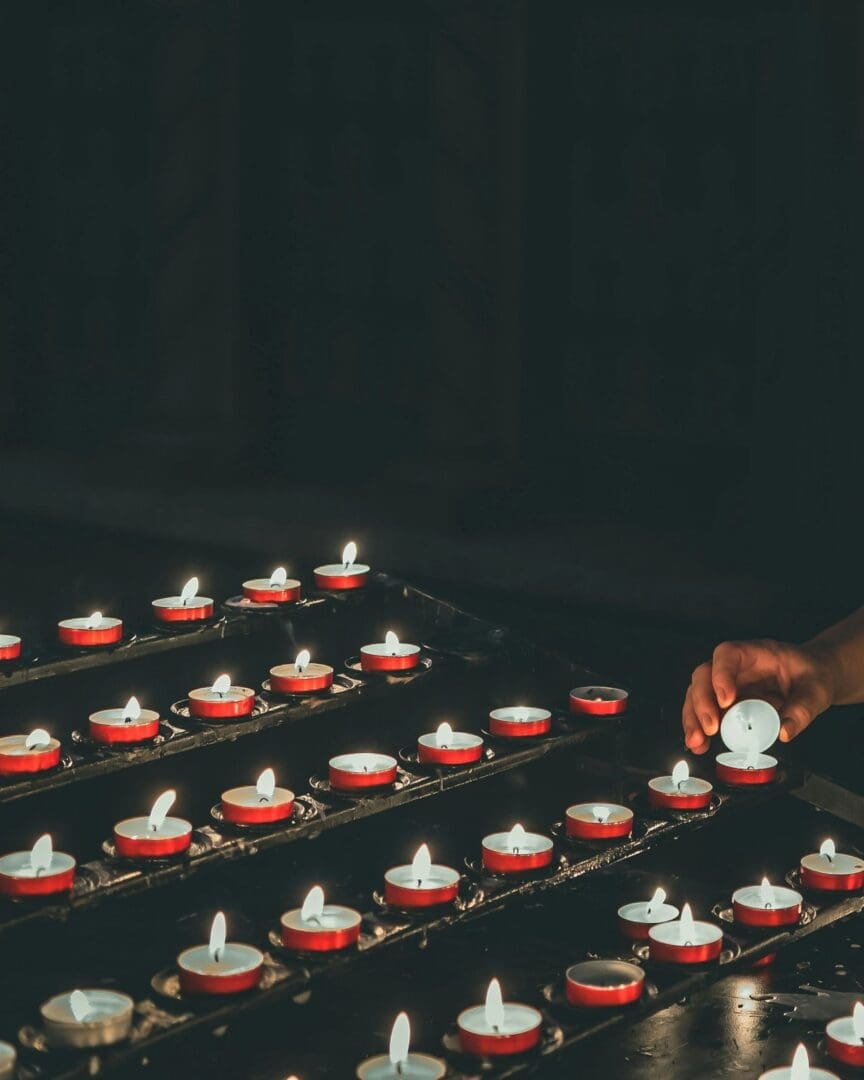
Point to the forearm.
(841, 648)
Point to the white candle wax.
(234, 959)
(363, 763)
(120, 718)
(437, 877)
(649, 913)
(414, 1067)
(751, 896)
(528, 844)
(16, 745)
(308, 671)
(332, 917)
(665, 785)
(86, 623)
(747, 761)
(515, 1020)
(106, 1017)
(19, 864)
(456, 740)
(139, 828)
(520, 714)
(381, 648)
(839, 864)
(677, 933)
(7, 640)
(609, 813)
(182, 602)
(341, 570)
(249, 795)
(787, 1072)
(233, 693)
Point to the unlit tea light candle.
(598, 700)
(353, 772)
(498, 1028)
(685, 941)
(10, 649)
(96, 629)
(800, 1069)
(85, 1019)
(598, 821)
(30, 753)
(680, 791)
(636, 919)
(448, 747)
(42, 871)
(748, 729)
(154, 836)
(832, 871)
(603, 984)
(520, 721)
(221, 701)
(400, 1063)
(258, 804)
(131, 724)
(845, 1037)
(391, 654)
(188, 607)
(301, 677)
(516, 851)
(319, 927)
(277, 589)
(349, 574)
(220, 967)
(420, 884)
(766, 905)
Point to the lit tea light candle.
(845, 1037)
(187, 607)
(154, 836)
(680, 791)
(499, 1028)
(603, 984)
(349, 574)
(391, 654)
(84, 1019)
(319, 927)
(277, 589)
(349, 772)
(96, 629)
(800, 1069)
(422, 884)
(221, 700)
(766, 905)
(603, 821)
(748, 728)
(131, 724)
(636, 919)
(42, 871)
(220, 966)
(8, 1061)
(400, 1063)
(448, 747)
(258, 804)
(685, 941)
(516, 851)
(10, 649)
(598, 700)
(28, 753)
(831, 871)
(301, 677)
(520, 721)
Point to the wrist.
(828, 666)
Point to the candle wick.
(828, 857)
(768, 906)
(315, 919)
(263, 798)
(688, 942)
(648, 910)
(217, 954)
(399, 1068)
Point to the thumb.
(800, 709)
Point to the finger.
(694, 736)
(800, 709)
(725, 667)
(705, 703)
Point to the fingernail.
(710, 725)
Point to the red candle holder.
(258, 804)
(10, 647)
(498, 1028)
(598, 821)
(603, 984)
(301, 677)
(389, 655)
(680, 791)
(832, 871)
(520, 722)
(319, 927)
(448, 747)
(421, 884)
(131, 724)
(339, 577)
(21, 754)
(277, 589)
(766, 905)
(355, 772)
(185, 608)
(516, 851)
(748, 729)
(94, 631)
(636, 919)
(39, 872)
(844, 1037)
(685, 941)
(598, 700)
(155, 836)
(220, 967)
(221, 701)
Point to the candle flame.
(601, 814)
(37, 737)
(349, 554)
(800, 1064)
(189, 590)
(278, 578)
(494, 1008)
(400, 1040)
(680, 773)
(391, 642)
(79, 1004)
(658, 898)
(521, 713)
(766, 893)
(516, 838)
(40, 855)
(858, 1020)
(131, 710)
(266, 785)
(222, 685)
(302, 661)
(160, 810)
(828, 849)
(421, 864)
(95, 621)
(313, 905)
(444, 735)
(688, 926)
(218, 934)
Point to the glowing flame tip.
(266, 784)
(218, 935)
(131, 710)
(421, 864)
(444, 734)
(494, 1007)
(94, 621)
(658, 898)
(601, 814)
(160, 810)
(37, 737)
(680, 773)
(800, 1064)
(222, 685)
(302, 661)
(858, 1020)
(349, 555)
(688, 926)
(278, 578)
(189, 590)
(313, 905)
(79, 1005)
(40, 856)
(766, 893)
(828, 849)
(400, 1040)
(391, 642)
(516, 837)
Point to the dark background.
(554, 306)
